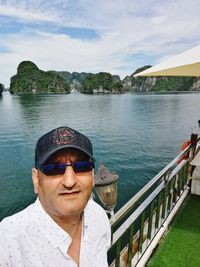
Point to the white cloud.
(127, 29)
(22, 13)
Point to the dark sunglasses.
(59, 168)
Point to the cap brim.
(40, 162)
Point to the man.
(64, 227)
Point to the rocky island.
(102, 83)
(30, 79)
(160, 84)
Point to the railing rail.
(136, 226)
(156, 178)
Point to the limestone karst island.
(29, 79)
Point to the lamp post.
(106, 188)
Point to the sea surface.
(133, 135)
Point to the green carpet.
(181, 245)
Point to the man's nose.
(69, 177)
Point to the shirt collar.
(87, 215)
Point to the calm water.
(134, 135)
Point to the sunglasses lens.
(83, 166)
(57, 169)
(54, 169)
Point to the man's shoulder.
(17, 222)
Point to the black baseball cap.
(57, 139)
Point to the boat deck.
(181, 244)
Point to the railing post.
(185, 173)
(118, 250)
(141, 237)
(165, 201)
(158, 212)
(193, 140)
(150, 221)
(130, 249)
(169, 200)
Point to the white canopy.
(185, 64)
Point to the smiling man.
(64, 227)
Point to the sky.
(116, 36)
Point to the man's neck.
(68, 224)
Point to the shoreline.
(127, 92)
(166, 92)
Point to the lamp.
(106, 188)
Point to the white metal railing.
(136, 226)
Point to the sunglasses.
(59, 168)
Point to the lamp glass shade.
(108, 195)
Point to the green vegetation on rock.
(173, 84)
(30, 79)
(102, 82)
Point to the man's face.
(67, 194)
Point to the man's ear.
(93, 177)
(35, 179)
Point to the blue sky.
(94, 35)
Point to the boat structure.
(139, 225)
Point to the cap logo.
(63, 136)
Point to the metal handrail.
(147, 201)
(120, 213)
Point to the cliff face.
(30, 79)
(160, 84)
(196, 85)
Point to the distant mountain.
(30, 79)
(159, 84)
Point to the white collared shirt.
(31, 238)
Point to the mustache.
(69, 190)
